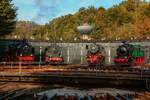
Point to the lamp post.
(40, 56)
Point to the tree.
(7, 17)
(131, 18)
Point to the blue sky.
(42, 11)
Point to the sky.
(42, 11)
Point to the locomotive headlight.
(20, 54)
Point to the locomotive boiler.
(53, 55)
(129, 54)
(95, 55)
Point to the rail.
(76, 73)
(10, 94)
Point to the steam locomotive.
(129, 54)
(95, 55)
(25, 52)
(18, 51)
(53, 55)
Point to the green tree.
(7, 17)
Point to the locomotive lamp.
(85, 30)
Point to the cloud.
(42, 11)
(46, 9)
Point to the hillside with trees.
(127, 20)
(26, 29)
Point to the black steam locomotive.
(53, 55)
(95, 55)
(18, 51)
(25, 52)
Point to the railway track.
(76, 76)
(46, 71)
(13, 90)
(75, 72)
(70, 66)
(75, 67)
